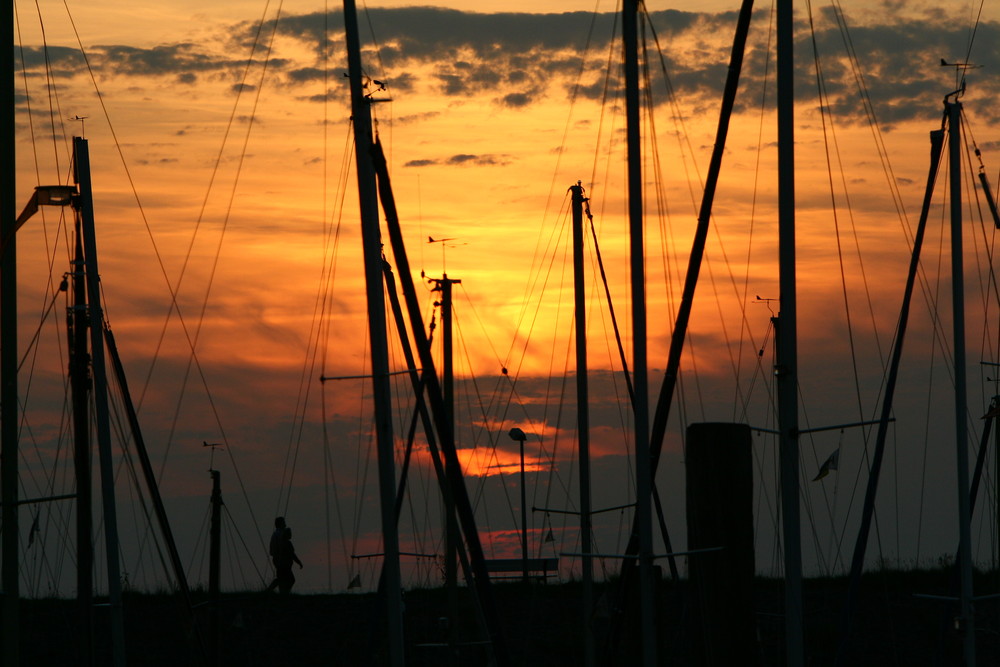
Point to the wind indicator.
(80, 119)
(213, 445)
(444, 244)
(960, 66)
(960, 70)
(766, 302)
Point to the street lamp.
(46, 195)
(518, 435)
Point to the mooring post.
(718, 460)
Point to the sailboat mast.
(8, 346)
(452, 535)
(786, 371)
(644, 481)
(967, 628)
(377, 331)
(583, 419)
(81, 152)
(79, 363)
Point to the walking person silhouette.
(283, 563)
(272, 548)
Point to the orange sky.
(484, 138)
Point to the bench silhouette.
(514, 567)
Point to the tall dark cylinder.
(719, 464)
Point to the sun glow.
(240, 239)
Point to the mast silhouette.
(377, 331)
(582, 422)
(665, 399)
(868, 509)
(644, 519)
(81, 153)
(452, 535)
(786, 370)
(966, 623)
(8, 348)
(80, 385)
(453, 467)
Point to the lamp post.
(518, 435)
(55, 195)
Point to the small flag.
(549, 537)
(34, 529)
(355, 582)
(832, 463)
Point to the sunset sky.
(222, 170)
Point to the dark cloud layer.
(518, 59)
(521, 58)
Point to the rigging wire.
(57, 516)
(170, 286)
(829, 136)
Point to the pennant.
(832, 463)
(355, 582)
(33, 531)
(549, 537)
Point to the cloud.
(416, 118)
(516, 100)
(464, 159)
(512, 57)
(305, 74)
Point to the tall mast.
(644, 517)
(79, 367)
(967, 629)
(452, 535)
(368, 199)
(786, 370)
(81, 163)
(868, 509)
(583, 420)
(8, 345)
(453, 467)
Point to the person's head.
(279, 522)
(287, 533)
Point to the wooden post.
(719, 465)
